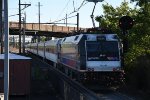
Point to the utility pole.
(19, 26)
(1, 24)
(77, 22)
(25, 6)
(66, 20)
(39, 13)
(6, 57)
(24, 28)
(39, 9)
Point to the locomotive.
(87, 57)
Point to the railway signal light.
(126, 23)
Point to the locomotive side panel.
(69, 54)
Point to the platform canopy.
(94, 0)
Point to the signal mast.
(92, 15)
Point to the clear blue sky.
(52, 10)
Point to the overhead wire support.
(73, 6)
(76, 10)
(26, 5)
(13, 15)
(20, 30)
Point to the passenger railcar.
(41, 49)
(52, 50)
(34, 48)
(88, 58)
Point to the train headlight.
(90, 69)
(116, 69)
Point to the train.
(88, 57)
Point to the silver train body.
(85, 57)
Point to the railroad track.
(112, 94)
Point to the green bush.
(138, 76)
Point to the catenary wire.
(76, 10)
(63, 9)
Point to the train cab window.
(102, 51)
(64, 39)
(76, 38)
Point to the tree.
(112, 15)
(143, 17)
(138, 37)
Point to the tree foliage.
(112, 15)
(138, 37)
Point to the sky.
(52, 10)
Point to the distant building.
(14, 38)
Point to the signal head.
(125, 22)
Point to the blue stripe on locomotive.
(68, 62)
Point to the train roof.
(92, 37)
(53, 42)
(41, 43)
(33, 44)
(74, 39)
(108, 37)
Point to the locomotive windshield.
(102, 51)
